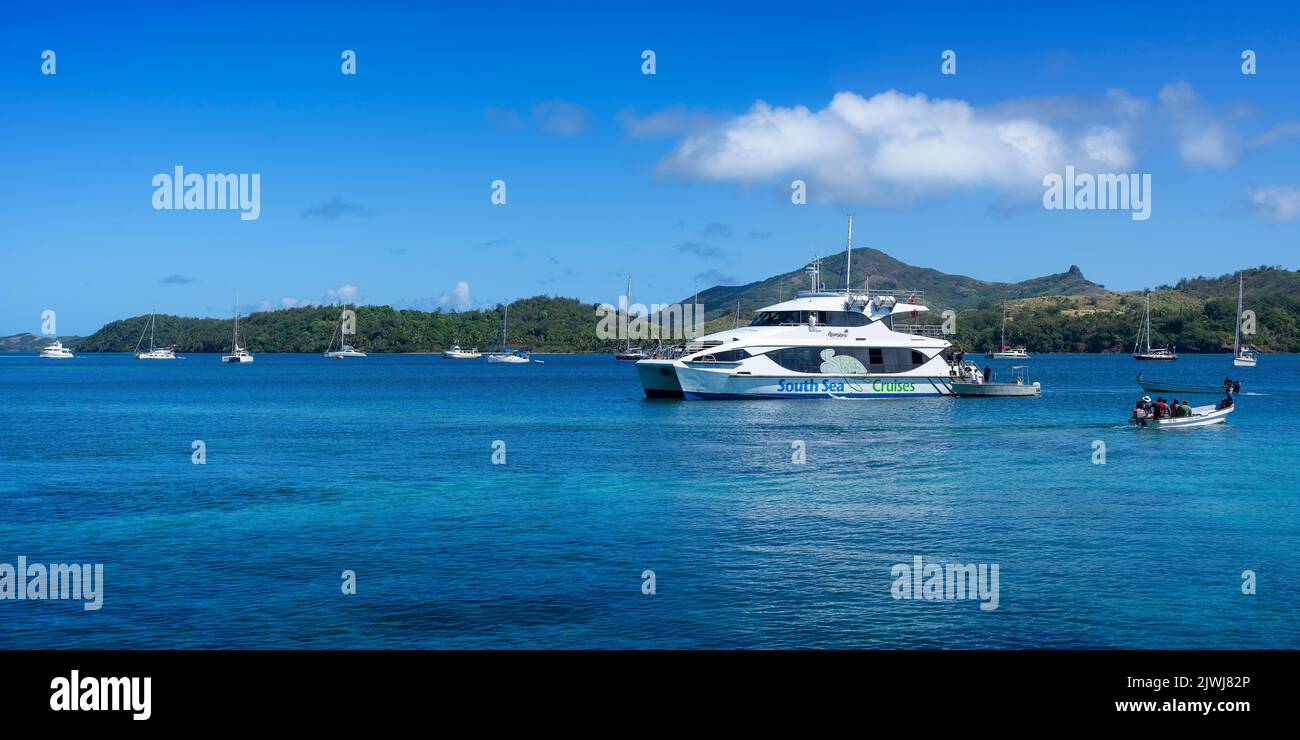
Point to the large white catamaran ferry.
(820, 344)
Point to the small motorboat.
(973, 384)
(1163, 386)
(1201, 416)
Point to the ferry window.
(883, 360)
(731, 355)
(798, 359)
(779, 318)
(824, 318)
(842, 318)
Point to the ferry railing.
(900, 294)
(923, 330)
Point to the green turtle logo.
(842, 365)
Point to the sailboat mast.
(629, 308)
(848, 268)
(1236, 333)
(1148, 322)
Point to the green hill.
(541, 323)
(941, 289)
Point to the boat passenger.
(988, 374)
(1225, 403)
(1185, 409)
(1140, 410)
(1227, 385)
(1162, 408)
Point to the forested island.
(1056, 313)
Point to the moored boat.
(819, 344)
(1242, 356)
(1019, 385)
(153, 353)
(1147, 352)
(456, 352)
(345, 350)
(238, 355)
(1164, 386)
(56, 351)
(508, 356)
(1004, 350)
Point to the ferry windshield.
(824, 318)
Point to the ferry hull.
(659, 378)
(712, 385)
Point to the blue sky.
(377, 186)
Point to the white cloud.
(1203, 141)
(560, 117)
(671, 121)
(342, 294)
(1278, 133)
(893, 146)
(1279, 203)
(346, 293)
(457, 299)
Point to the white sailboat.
(237, 354)
(56, 351)
(631, 353)
(1241, 356)
(1142, 349)
(153, 353)
(1005, 351)
(345, 350)
(506, 355)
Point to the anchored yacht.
(1147, 352)
(345, 350)
(507, 355)
(56, 350)
(1004, 350)
(153, 353)
(455, 352)
(820, 344)
(1242, 354)
(238, 355)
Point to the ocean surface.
(383, 467)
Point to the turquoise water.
(383, 466)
